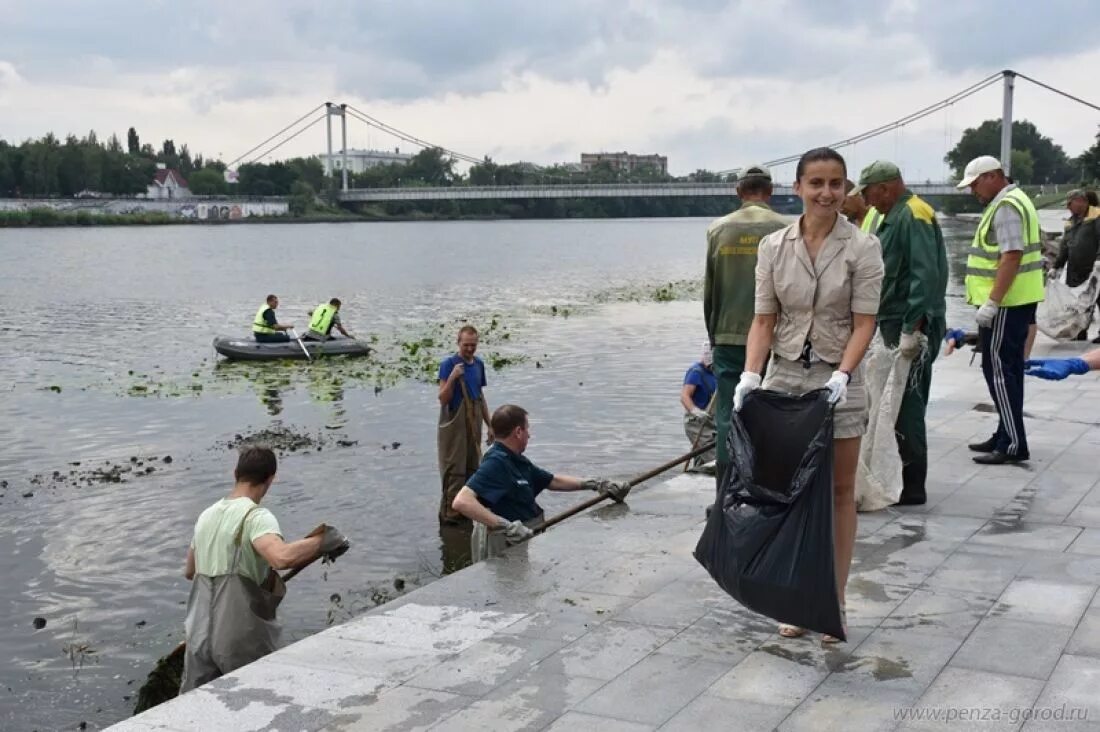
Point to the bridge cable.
(292, 124)
(901, 121)
(373, 122)
(1059, 91)
(268, 152)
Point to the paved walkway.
(981, 605)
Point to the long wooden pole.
(633, 482)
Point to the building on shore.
(168, 183)
(361, 160)
(624, 161)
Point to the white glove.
(515, 531)
(749, 382)
(838, 388)
(700, 414)
(986, 313)
(911, 345)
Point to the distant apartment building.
(624, 161)
(360, 160)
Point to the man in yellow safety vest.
(325, 317)
(265, 328)
(1004, 278)
(856, 209)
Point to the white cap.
(708, 355)
(977, 166)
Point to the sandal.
(831, 639)
(791, 631)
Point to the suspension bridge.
(327, 111)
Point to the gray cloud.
(425, 48)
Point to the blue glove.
(1055, 369)
(957, 335)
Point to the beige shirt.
(815, 299)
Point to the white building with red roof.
(168, 183)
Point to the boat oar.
(163, 682)
(633, 482)
(303, 345)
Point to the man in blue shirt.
(500, 495)
(462, 410)
(697, 398)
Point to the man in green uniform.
(730, 284)
(913, 303)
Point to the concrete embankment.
(983, 601)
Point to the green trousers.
(910, 427)
(729, 362)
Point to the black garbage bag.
(768, 541)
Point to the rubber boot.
(913, 478)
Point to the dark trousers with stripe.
(1003, 365)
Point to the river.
(106, 365)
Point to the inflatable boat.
(248, 349)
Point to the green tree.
(207, 182)
(1050, 163)
(1089, 162)
(1023, 166)
(302, 198)
(133, 142)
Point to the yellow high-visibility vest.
(981, 265)
(259, 325)
(871, 220)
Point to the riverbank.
(983, 602)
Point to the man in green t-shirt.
(236, 547)
(730, 284)
(913, 306)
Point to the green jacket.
(915, 259)
(730, 284)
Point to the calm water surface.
(105, 356)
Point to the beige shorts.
(792, 377)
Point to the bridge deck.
(607, 190)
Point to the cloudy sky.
(710, 83)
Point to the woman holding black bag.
(817, 293)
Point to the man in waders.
(729, 287)
(234, 593)
(462, 410)
(500, 496)
(912, 311)
(697, 397)
(265, 328)
(1004, 279)
(325, 317)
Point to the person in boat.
(325, 317)
(462, 410)
(265, 327)
(500, 496)
(235, 591)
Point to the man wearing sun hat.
(1004, 278)
(730, 285)
(912, 312)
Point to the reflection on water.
(601, 382)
